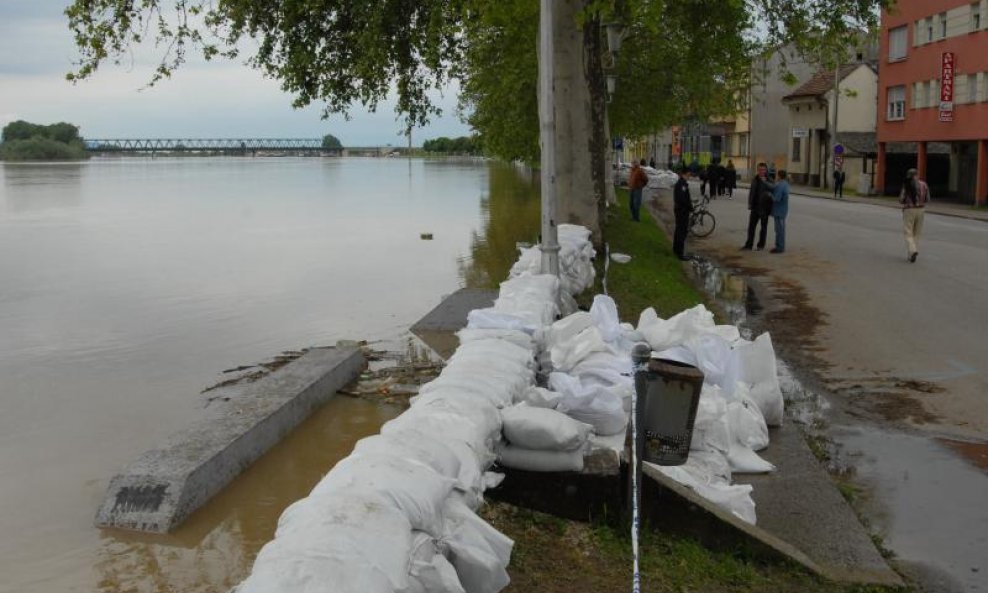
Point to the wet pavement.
(922, 497)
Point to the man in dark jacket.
(759, 207)
(682, 206)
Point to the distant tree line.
(461, 145)
(24, 141)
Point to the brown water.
(127, 286)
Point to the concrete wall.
(771, 132)
(857, 113)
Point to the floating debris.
(426, 236)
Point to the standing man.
(780, 209)
(914, 196)
(839, 177)
(682, 206)
(637, 180)
(759, 207)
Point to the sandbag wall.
(397, 515)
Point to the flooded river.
(129, 285)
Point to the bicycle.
(702, 220)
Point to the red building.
(933, 97)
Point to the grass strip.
(654, 277)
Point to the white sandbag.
(339, 544)
(711, 431)
(479, 553)
(666, 333)
(605, 316)
(472, 463)
(413, 488)
(758, 368)
(505, 386)
(516, 337)
(713, 466)
(535, 460)
(745, 461)
(539, 397)
(429, 571)
(499, 366)
(448, 425)
(567, 328)
(570, 353)
(604, 368)
(541, 428)
(491, 318)
(489, 388)
(422, 448)
(734, 499)
(482, 413)
(496, 349)
(595, 405)
(747, 423)
(719, 362)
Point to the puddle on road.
(927, 496)
(928, 503)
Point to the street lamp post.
(547, 131)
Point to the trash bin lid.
(675, 370)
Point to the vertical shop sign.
(947, 66)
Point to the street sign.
(838, 149)
(838, 160)
(800, 133)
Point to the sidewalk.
(933, 207)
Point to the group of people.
(722, 179)
(768, 196)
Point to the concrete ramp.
(438, 328)
(801, 515)
(165, 485)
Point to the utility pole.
(547, 129)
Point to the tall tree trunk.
(580, 146)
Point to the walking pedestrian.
(914, 196)
(730, 179)
(715, 180)
(682, 207)
(704, 180)
(651, 162)
(780, 210)
(637, 180)
(839, 177)
(759, 207)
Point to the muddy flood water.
(129, 285)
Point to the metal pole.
(547, 130)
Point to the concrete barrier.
(165, 485)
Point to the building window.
(796, 149)
(972, 88)
(896, 103)
(743, 144)
(929, 29)
(943, 25)
(925, 90)
(897, 44)
(976, 16)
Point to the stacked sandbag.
(539, 438)
(576, 253)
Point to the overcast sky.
(224, 99)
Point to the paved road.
(923, 324)
(901, 355)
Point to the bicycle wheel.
(703, 224)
